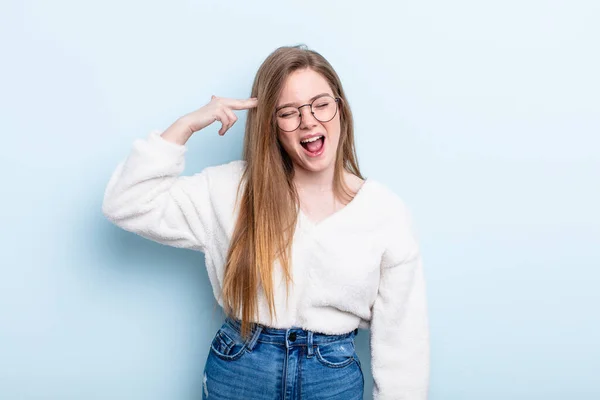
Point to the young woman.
(301, 250)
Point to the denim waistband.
(297, 335)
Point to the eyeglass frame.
(336, 99)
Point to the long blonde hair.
(268, 210)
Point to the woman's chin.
(314, 164)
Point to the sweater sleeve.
(146, 195)
(399, 331)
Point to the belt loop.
(252, 341)
(309, 344)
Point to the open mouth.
(314, 146)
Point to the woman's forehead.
(302, 85)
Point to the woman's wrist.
(179, 132)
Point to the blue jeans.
(281, 364)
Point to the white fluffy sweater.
(360, 267)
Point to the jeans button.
(292, 336)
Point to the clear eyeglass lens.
(324, 109)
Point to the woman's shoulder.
(383, 196)
(395, 218)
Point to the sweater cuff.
(156, 141)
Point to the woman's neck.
(321, 181)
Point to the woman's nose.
(307, 118)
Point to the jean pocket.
(336, 354)
(227, 344)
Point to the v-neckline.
(314, 225)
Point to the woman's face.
(299, 89)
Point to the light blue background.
(483, 116)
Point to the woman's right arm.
(146, 193)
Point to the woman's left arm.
(399, 328)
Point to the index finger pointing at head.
(241, 104)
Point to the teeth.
(311, 139)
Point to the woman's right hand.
(218, 109)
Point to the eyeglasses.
(323, 108)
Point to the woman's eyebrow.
(294, 104)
